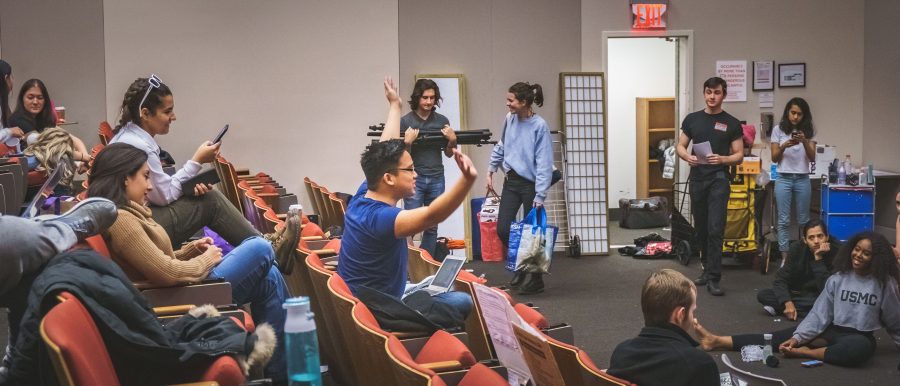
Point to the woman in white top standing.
(793, 149)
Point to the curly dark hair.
(883, 264)
(806, 123)
(421, 86)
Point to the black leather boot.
(518, 278)
(533, 284)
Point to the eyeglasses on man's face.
(153, 82)
(409, 169)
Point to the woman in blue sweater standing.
(525, 155)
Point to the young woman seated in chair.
(142, 248)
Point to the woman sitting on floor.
(860, 298)
(142, 248)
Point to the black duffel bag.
(643, 213)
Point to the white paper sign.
(735, 74)
(499, 317)
(766, 99)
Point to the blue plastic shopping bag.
(531, 243)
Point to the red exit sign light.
(648, 16)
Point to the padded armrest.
(212, 293)
(443, 366)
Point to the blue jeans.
(461, 301)
(791, 188)
(255, 280)
(427, 189)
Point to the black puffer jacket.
(143, 351)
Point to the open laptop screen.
(447, 272)
(34, 207)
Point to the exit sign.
(648, 14)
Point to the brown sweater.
(144, 251)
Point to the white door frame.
(689, 55)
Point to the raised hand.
(465, 164)
(390, 90)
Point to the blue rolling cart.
(848, 210)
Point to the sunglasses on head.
(153, 82)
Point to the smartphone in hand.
(220, 135)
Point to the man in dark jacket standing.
(664, 353)
(802, 277)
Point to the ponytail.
(528, 93)
(130, 111)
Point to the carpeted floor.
(600, 297)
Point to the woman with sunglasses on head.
(526, 156)
(793, 149)
(859, 298)
(121, 173)
(148, 109)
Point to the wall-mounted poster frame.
(453, 106)
(763, 75)
(792, 75)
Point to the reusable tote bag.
(531, 243)
(491, 246)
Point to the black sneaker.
(714, 289)
(533, 284)
(701, 281)
(88, 217)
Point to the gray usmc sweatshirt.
(854, 301)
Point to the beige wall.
(60, 43)
(494, 44)
(881, 115)
(826, 34)
(299, 81)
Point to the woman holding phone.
(148, 110)
(793, 149)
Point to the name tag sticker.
(721, 126)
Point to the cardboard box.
(751, 165)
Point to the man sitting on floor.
(802, 277)
(373, 246)
(663, 353)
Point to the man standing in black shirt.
(709, 179)
(426, 157)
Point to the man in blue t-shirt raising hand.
(373, 245)
(719, 134)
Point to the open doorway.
(655, 68)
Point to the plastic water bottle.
(870, 176)
(842, 175)
(301, 343)
(767, 348)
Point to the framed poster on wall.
(792, 75)
(764, 76)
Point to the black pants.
(846, 346)
(517, 193)
(802, 302)
(709, 202)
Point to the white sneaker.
(770, 310)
